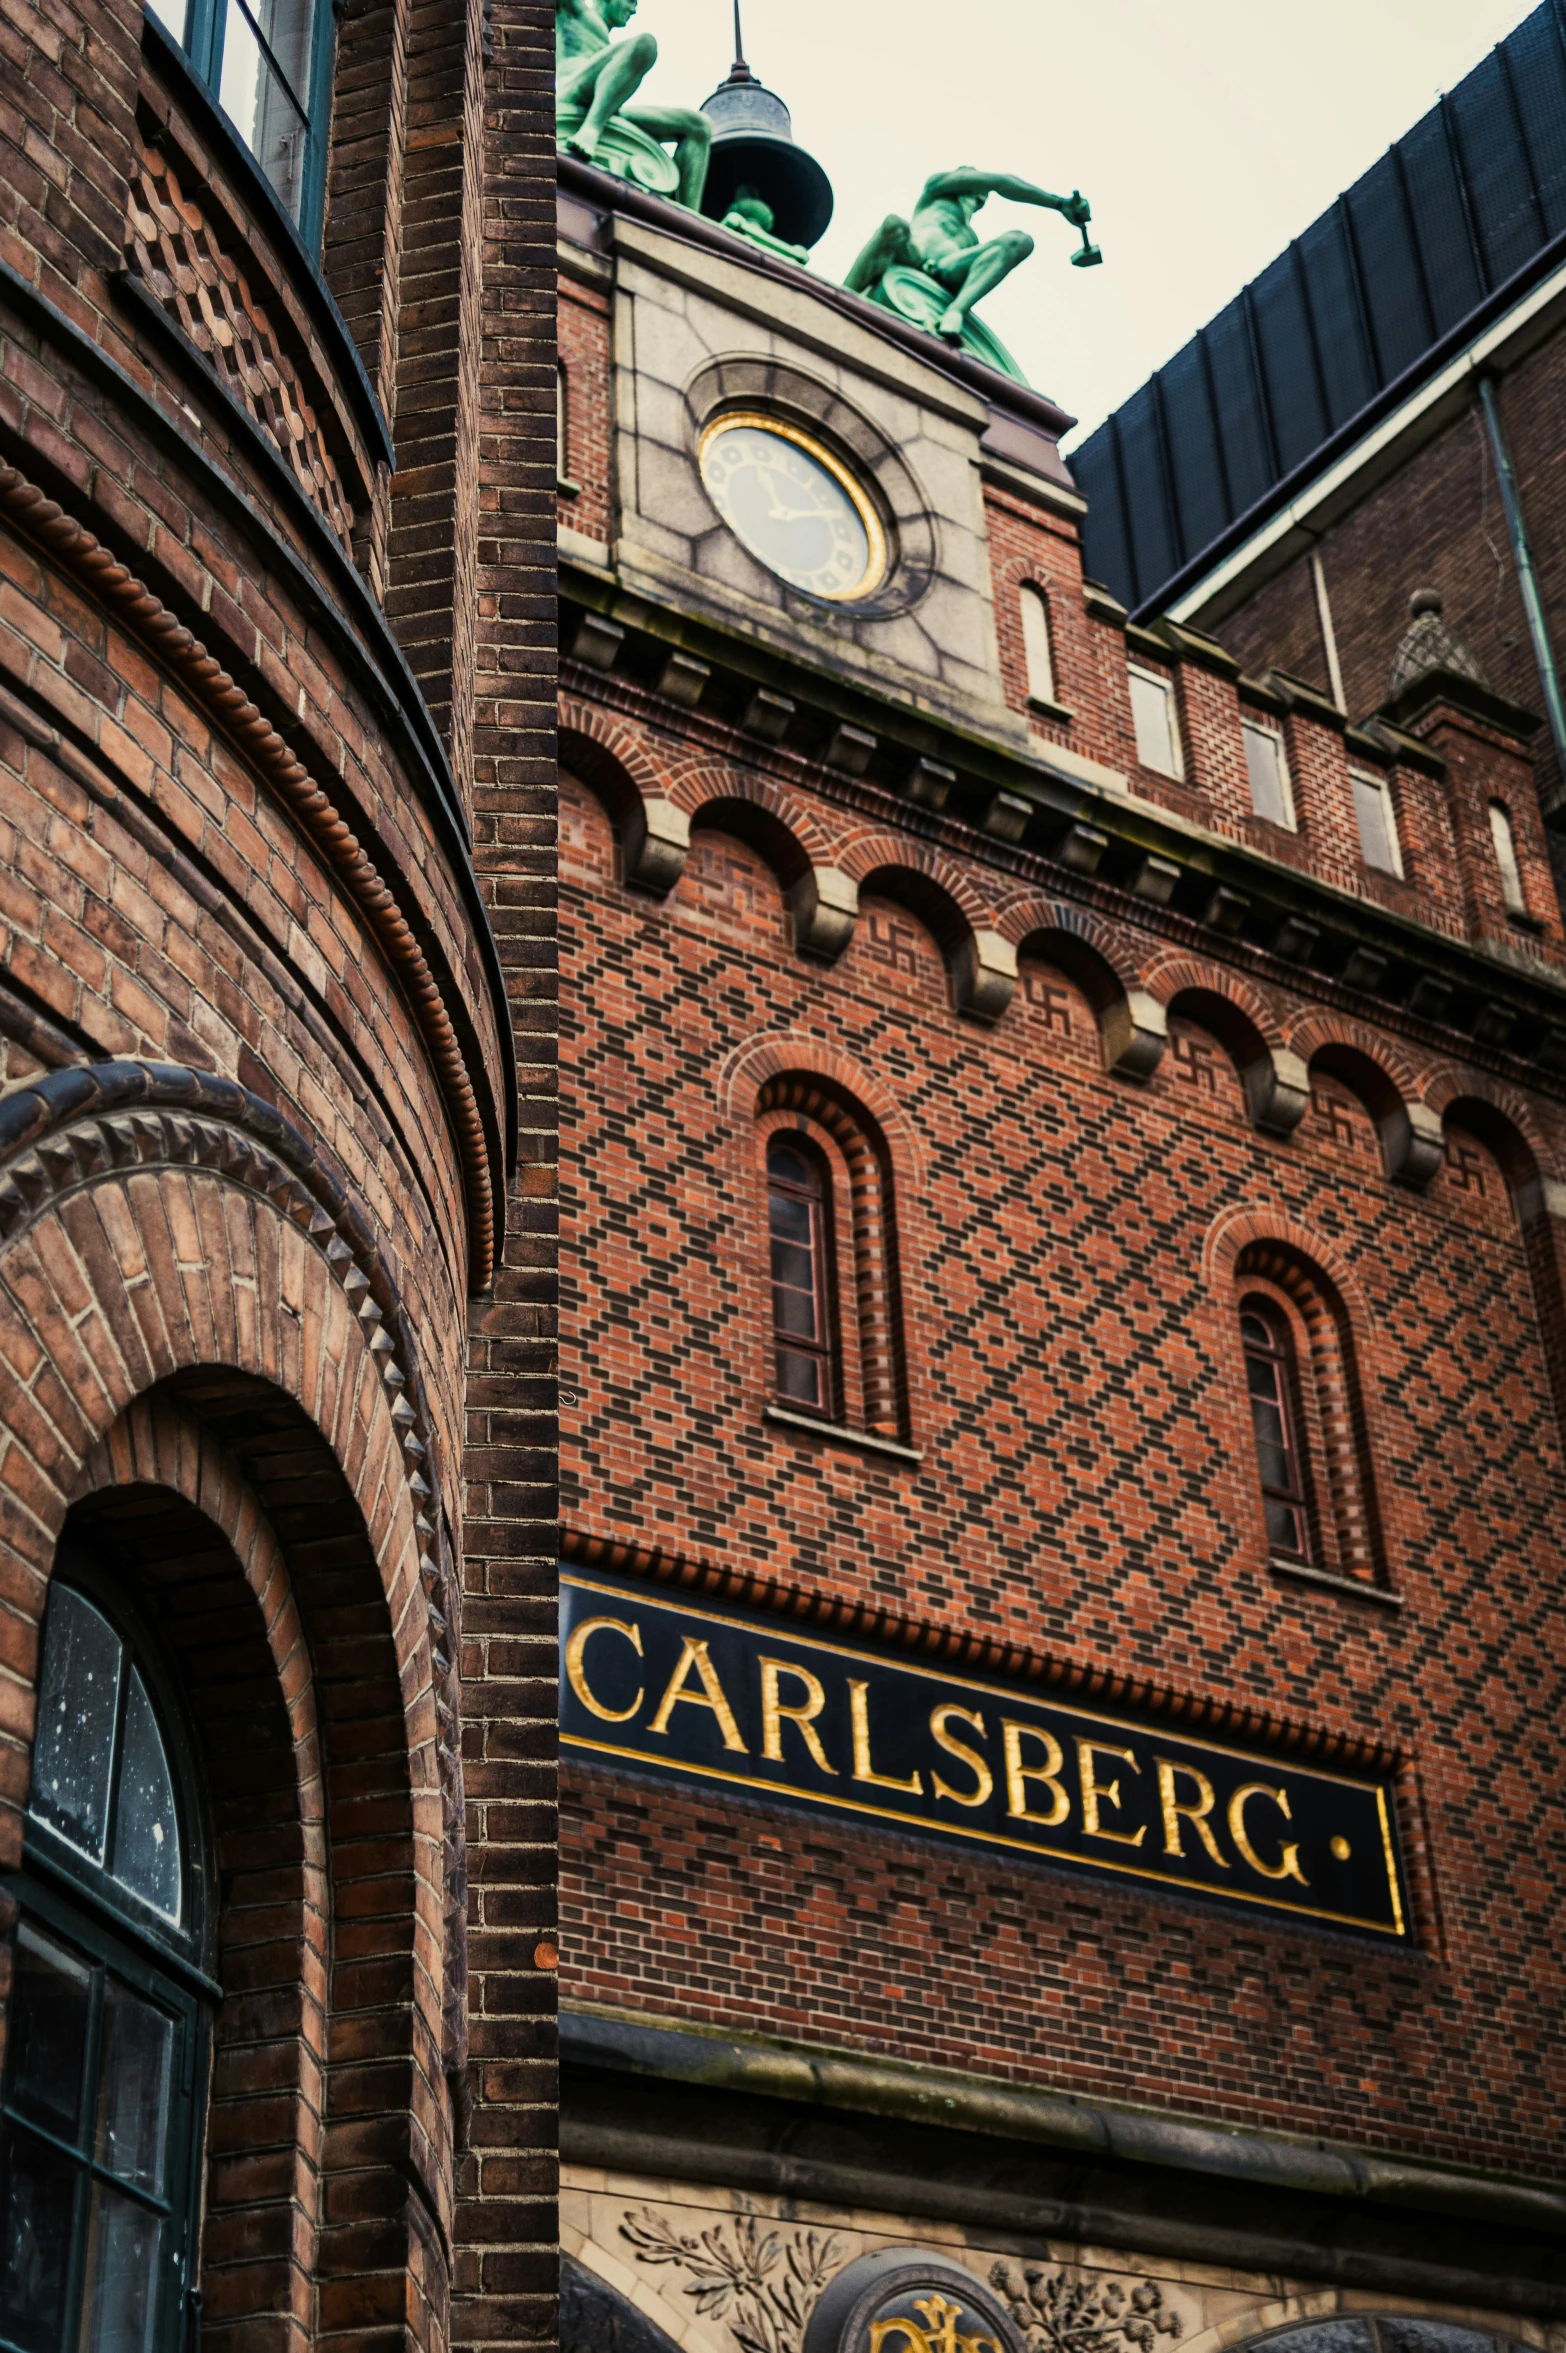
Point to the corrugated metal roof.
(1449, 225)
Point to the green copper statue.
(933, 269)
(596, 76)
(750, 216)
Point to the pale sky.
(1205, 134)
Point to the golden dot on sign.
(1341, 1848)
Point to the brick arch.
(174, 1511)
(759, 812)
(120, 1272)
(1251, 1019)
(1055, 930)
(1354, 1045)
(747, 1070)
(1294, 1263)
(1493, 1110)
(931, 885)
(610, 759)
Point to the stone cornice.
(1230, 899)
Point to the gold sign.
(715, 1696)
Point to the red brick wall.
(1086, 1487)
(584, 357)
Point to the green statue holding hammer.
(934, 268)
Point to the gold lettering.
(1018, 1775)
(1109, 1791)
(1289, 1868)
(939, 1719)
(859, 1716)
(576, 1665)
(774, 1715)
(711, 1695)
(909, 2331)
(1175, 1813)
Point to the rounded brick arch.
(758, 812)
(933, 886)
(611, 760)
(746, 1072)
(1237, 1230)
(1347, 1042)
(1248, 1017)
(170, 1508)
(1057, 932)
(1498, 1115)
(222, 1276)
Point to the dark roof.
(1450, 224)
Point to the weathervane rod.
(739, 44)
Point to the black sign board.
(716, 1696)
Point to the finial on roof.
(739, 71)
(1430, 643)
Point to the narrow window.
(1506, 859)
(1269, 775)
(797, 1225)
(1270, 1379)
(1036, 644)
(562, 429)
(269, 62)
(104, 2075)
(1377, 824)
(1157, 734)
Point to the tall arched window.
(1272, 1379)
(799, 1242)
(106, 2051)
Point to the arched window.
(1272, 1380)
(1506, 860)
(798, 1237)
(1036, 644)
(105, 2063)
(269, 63)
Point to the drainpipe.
(1527, 580)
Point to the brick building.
(276, 1149)
(1376, 413)
(1064, 1365)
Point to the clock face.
(794, 506)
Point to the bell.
(753, 148)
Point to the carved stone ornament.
(909, 2300)
(758, 2279)
(1061, 2310)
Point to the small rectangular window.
(1377, 824)
(1157, 730)
(1506, 859)
(1036, 645)
(1269, 775)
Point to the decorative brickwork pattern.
(173, 245)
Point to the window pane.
(799, 1377)
(794, 1264)
(285, 26)
(121, 2304)
(133, 2088)
(791, 1221)
(260, 107)
(37, 2209)
(1152, 710)
(1254, 1331)
(1286, 1528)
(48, 2037)
(1264, 765)
(76, 1704)
(171, 13)
(1377, 834)
(1036, 645)
(792, 1167)
(146, 1832)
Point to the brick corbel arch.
(1133, 1029)
(1385, 1083)
(980, 960)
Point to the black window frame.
(63, 1897)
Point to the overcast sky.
(1205, 133)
